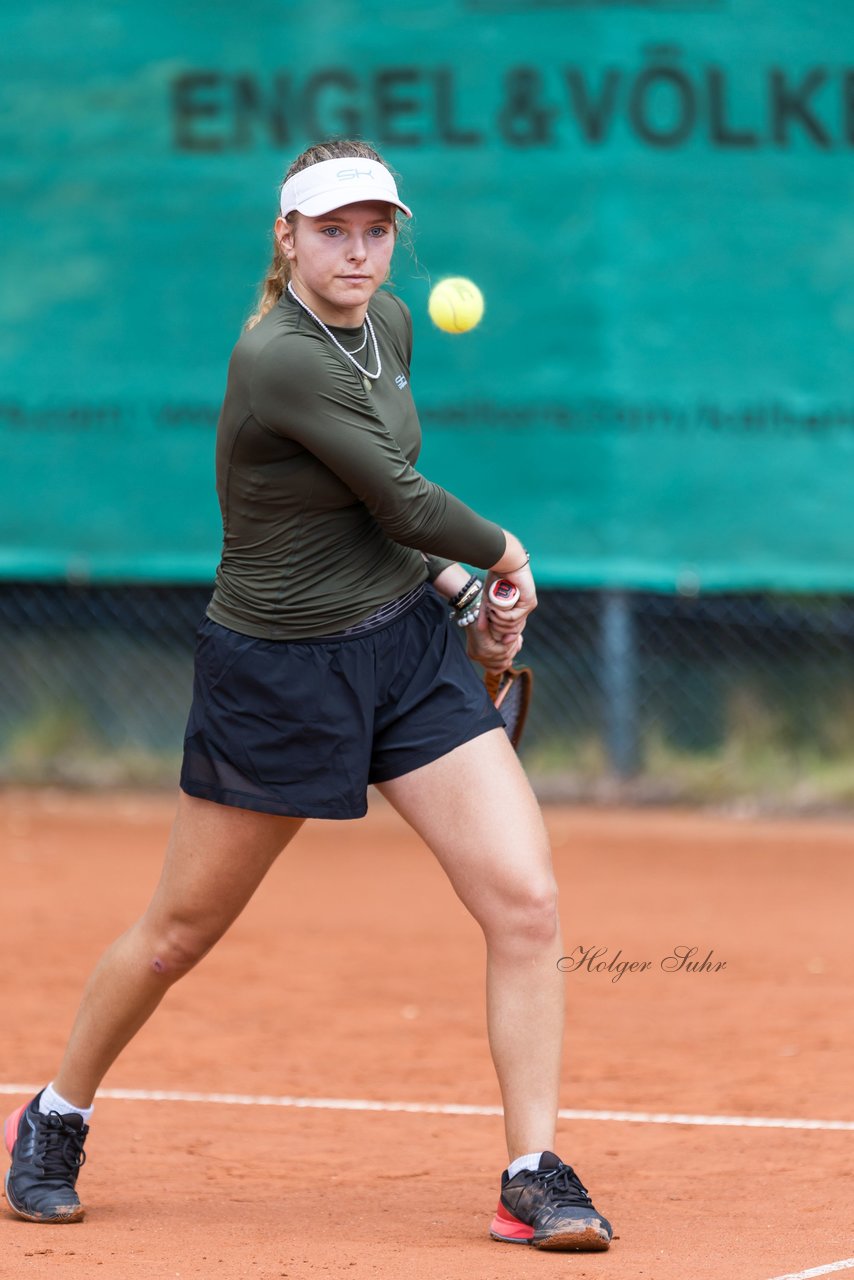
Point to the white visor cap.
(330, 184)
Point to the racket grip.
(503, 594)
(492, 680)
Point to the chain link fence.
(637, 696)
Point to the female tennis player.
(327, 661)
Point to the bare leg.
(475, 809)
(216, 858)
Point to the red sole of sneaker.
(10, 1128)
(507, 1228)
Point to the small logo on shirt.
(400, 382)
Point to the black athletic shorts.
(301, 727)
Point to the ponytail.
(273, 285)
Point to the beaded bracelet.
(467, 593)
(470, 615)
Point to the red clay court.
(317, 1098)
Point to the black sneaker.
(47, 1152)
(549, 1208)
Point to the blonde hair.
(279, 272)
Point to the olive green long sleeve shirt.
(324, 515)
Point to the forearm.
(451, 580)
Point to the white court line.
(441, 1108)
(845, 1265)
(461, 1109)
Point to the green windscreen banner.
(654, 198)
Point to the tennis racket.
(510, 690)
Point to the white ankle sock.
(531, 1161)
(53, 1101)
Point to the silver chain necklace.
(367, 376)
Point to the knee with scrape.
(157, 965)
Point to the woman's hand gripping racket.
(510, 689)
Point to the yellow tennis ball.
(455, 305)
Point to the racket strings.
(511, 707)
